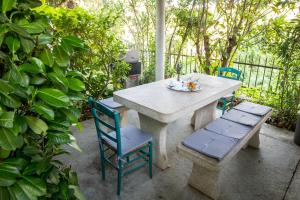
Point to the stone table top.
(155, 100)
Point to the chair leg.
(102, 166)
(119, 177)
(224, 106)
(150, 159)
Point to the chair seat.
(109, 102)
(131, 139)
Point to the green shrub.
(101, 66)
(39, 94)
(148, 75)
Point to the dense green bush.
(101, 66)
(282, 40)
(148, 75)
(38, 93)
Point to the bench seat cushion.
(109, 102)
(242, 117)
(253, 108)
(209, 143)
(228, 128)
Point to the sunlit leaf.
(8, 140)
(37, 125)
(54, 97)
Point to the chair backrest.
(229, 72)
(98, 111)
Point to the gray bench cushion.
(210, 144)
(228, 128)
(242, 117)
(109, 102)
(131, 139)
(253, 108)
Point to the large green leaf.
(59, 81)
(54, 97)
(5, 87)
(19, 30)
(18, 77)
(72, 114)
(8, 174)
(37, 80)
(75, 96)
(20, 125)
(44, 111)
(36, 66)
(37, 125)
(7, 119)
(8, 140)
(54, 176)
(27, 45)
(47, 57)
(76, 84)
(4, 194)
(4, 153)
(28, 188)
(59, 126)
(7, 5)
(10, 101)
(59, 138)
(77, 192)
(2, 35)
(34, 27)
(73, 41)
(61, 57)
(19, 163)
(13, 43)
(75, 74)
(44, 39)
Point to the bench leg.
(123, 114)
(159, 133)
(254, 141)
(206, 180)
(204, 115)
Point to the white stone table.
(157, 106)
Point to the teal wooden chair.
(130, 148)
(230, 73)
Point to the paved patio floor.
(273, 172)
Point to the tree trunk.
(207, 54)
(188, 27)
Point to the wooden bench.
(208, 161)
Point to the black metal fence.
(258, 72)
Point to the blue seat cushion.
(131, 138)
(228, 128)
(210, 144)
(109, 102)
(253, 108)
(242, 117)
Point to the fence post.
(297, 131)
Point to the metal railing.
(258, 72)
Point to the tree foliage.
(38, 93)
(101, 64)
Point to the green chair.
(130, 148)
(230, 73)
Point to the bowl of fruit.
(185, 85)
